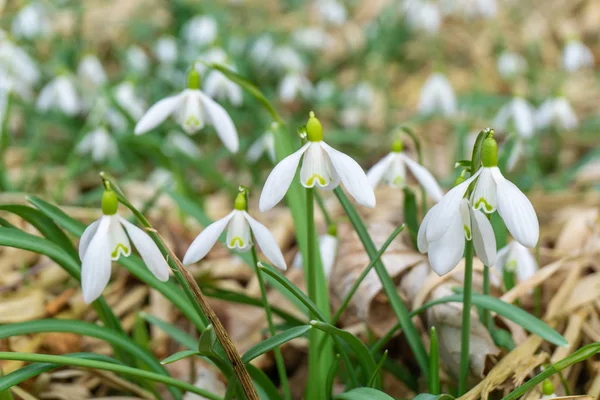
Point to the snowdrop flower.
(264, 144)
(516, 258)
(59, 94)
(314, 38)
(510, 65)
(556, 113)
(286, 59)
(437, 96)
(200, 31)
(137, 59)
(576, 55)
(519, 115)
(165, 50)
(106, 240)
(358, 102)
(294, 85)
(192, 109)
(423, 16)
(99, 143)
(183, 143)
(32, 21)
(219, 87)
(216, 55)
(391, 169)
(324, 90)
(262, 49)
(129, 101)
(491, 192)
(322, 166)
(17, 63)
(241, 229)
(463, 222)
(328, 247)
(331, 11)
(91, 72)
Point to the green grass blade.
(363, 393)
(274, 342)
(180, 355)
(265, 387)
(71, 225)
(174, 333)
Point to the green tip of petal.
(489, 152)
(193, 78)
(397, 146)
(314, 129)
(110, 202)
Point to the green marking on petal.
(511, 265)
(311, 181)
(467, 232)
(398, 180)
(487, 206)
(120, 246)
(238, 240)
(191, 120)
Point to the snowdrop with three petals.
(192, 109)
(99, 143)
(392, 170)
(241, 228)
(106, 240)
(322, 166)
(437, 96)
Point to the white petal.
(424, 178)
(395, 176)
(378, 170)
(119, 242)
(422, 242)
(87, 237)
(317, 169)
(515, 154)
(95, 267)
(280, 179)
(526, 264)
(446, 208)
(220, 119)
(517, 212)
(158, 113)
(190, 114)
(267, 243)
(484, 195)
(447, 251)
(352, 176)
(503, 256)
(483, 238)
(328, 246)
(206, 240)
(256, 150)
(149, 251)
(238, 233)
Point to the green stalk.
(466, 319)
(106, 366)
(487, 318)
(434, 363)
(412, 335)
(5, 184)
(537, 292)
(279, 361)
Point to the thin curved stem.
(466, 319)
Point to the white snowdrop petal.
(446, 208)
(119, 242)
(328, 246)
(238, 232)
(87, 237)
(158, 113)
(526, 264)
(256, 150)
(377, 171)
(447, 251)
(267, 243)
(220, 119)
(484, 240)
(484, 195)
(279, 180)
(148, 250)
(190, 114)
(517, 212)
(352, 176)
(317, 169)
(96, 263)
(425, 179)
(206, 240)
(422, 242)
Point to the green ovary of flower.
(110, 202)
(488, 207)
(314, 129)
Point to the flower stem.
(279, 361)
(466, 319)
(487, 318)
(434, 363)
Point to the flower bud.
(547, 388)
(240, 201)
(110, 202)
(193, 79)
(489, 152)
(314, 129)
(397, 146)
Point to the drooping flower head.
(192, 109)
(437, 96)
(515, 257)
(322, 166)
(242, 229)
(392, 170)
(106, 240)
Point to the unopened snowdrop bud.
(322, 166)
(106, 240)
(392, 171)
(241, 228)
(192, 109)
